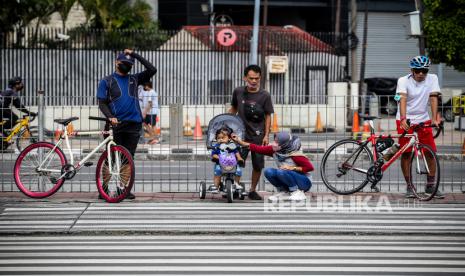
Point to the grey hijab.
(288, 144)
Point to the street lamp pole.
(421, 37)
(254, 42)
(212, 24)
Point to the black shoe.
(241, 163)
(254, 196)
(429, 190)
(130, 196)
(409, 193)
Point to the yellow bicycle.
(22, 131)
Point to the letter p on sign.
(226, 37)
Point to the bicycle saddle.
(368, 117)
(65, 121)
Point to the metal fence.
(178, 163)
(191, 69)
(196, 75)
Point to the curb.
(201, 154)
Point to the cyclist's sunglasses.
(422, 70)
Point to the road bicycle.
(22, 131)
(349, 165)
(42, 168)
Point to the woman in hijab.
(291, 177)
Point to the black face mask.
(124, 68)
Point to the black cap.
(14, 81)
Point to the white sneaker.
(213, 189)
(297, 196)
(279, 196)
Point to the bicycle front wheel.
(115, 181)
(37, 170)
(425, 163)
(344, 167)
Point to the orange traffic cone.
(187, 127)
(355, 123)
(318, 124)
(379, 127)
(157, 127)
(198, 129)
(274, 127)
(356, 126)
(366, 130)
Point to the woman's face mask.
(19, 87)
(124, 68)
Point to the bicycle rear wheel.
(38, 168)
(115, 183)
(344, 167)
(419, 170)
(3, 144)
(25, 138)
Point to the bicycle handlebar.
(99, 119)
(32, 117)
(439, 128)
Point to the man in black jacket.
(11, 97)
(117, 96)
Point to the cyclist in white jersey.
(416, 90)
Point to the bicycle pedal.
(88, 164)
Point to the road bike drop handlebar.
(438, 129)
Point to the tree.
(118, 14)
(40, 10)
(444, 28)
(9, 15)
(64, 7)
(89, 9)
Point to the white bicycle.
(42, 168)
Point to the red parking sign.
(226, 37)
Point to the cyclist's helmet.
(14, 81)
(420, 62)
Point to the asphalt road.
(229, 255)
